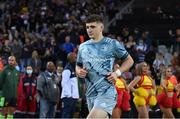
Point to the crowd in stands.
(39, 31)
(43, 26)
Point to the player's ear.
(102, 27)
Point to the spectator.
(16, 49)
(175, 60)
(149, 58)
(141, 49)
(26, 54)
(9, 79)
(59, 71)
(68, 46)
(159, 74)
(48, 91)
(177, 37)
(26, 100)
(130, 43)
(168, 58)
(159, 60)
(35, 62)
(70, 92)
(6, 50)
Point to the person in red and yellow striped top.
(168, 98)
(143, 88)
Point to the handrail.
(119, 14)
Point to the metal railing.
(126, 9)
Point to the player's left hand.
(111, 77)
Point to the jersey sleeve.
(120, 51)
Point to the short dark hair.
(94, 18)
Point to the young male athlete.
(95, 63)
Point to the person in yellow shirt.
(143, 88)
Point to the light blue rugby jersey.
(98, 58)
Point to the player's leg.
(116, 112)
(97, 113)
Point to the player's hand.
(112, 76)
(82, 73)
(116, 66)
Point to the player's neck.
(99, 38)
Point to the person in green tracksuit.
(9, 79)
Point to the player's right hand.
(82, 73)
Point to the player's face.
(94, 29)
